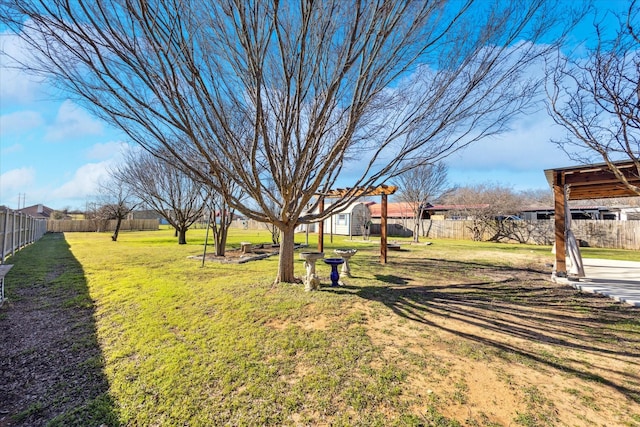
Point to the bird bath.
(311, 281)
(335, 276)
(346, 255)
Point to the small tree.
(220, 218)
(420, 185)
(115, 202)
(165, 188)
(597, 99)
(487, 207)
(58, 215)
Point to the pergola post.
(321, 227)
(383, 229)
(560, 224)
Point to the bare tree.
(420, 185)
(115, 202)
(221, 217)
(490, 208)
(165, 188)
(294, 93)
(597, 99)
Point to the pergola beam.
(361, 191)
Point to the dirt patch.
(512, 348)
(520, 350)
(50, 362)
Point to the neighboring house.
(399, 210)
(399, 218)
(404, 211)
(584, 212)
(459, 212)
(37, 211)
(628, 214)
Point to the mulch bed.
(236, 256)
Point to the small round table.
(335, 276)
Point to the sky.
(54, 153)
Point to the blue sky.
(54, 153)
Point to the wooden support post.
(383, 230)
(560, 225)
(321, 227)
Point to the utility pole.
(22, 197)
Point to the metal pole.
(206, 239)
(383, 230)
(321, 227)
(331, 220)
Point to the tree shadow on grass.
(516, 315)
(392, 279)
(50, 360)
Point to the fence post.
(4, 235)
(21, 232)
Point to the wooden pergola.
(594, 181)
(381, 190)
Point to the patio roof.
(596, 181)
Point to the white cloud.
(526, 147)
(15, 148)
(85, 182)
(71, 123)
(15, 85)
(16, 180)
(19, 122)
(107, 150)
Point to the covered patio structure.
(381, 190)
(595, 181)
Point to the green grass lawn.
(183, 344)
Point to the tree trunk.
(114, 236)
(182, 238)
(220, 237)
(426, 230)
(285, 264)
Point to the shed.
(350, 221)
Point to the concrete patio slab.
(619, 280)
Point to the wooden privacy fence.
(17, 230)
(596, 233)
(608, 234)
(86, 225)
